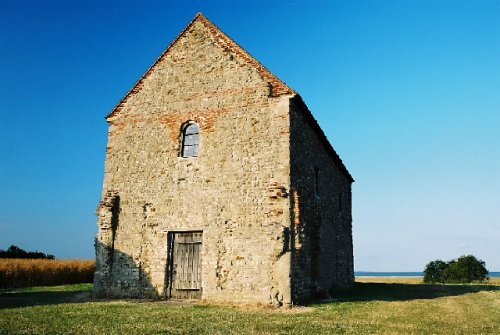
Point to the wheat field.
(44, 272)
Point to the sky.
(408, 93)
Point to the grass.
(60, 288)
(44, 295)
(388, 307)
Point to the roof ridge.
(135, 88)
(278, 87)
(322, 136)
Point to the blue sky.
(408, 92)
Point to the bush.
(434, 272)
(465, 269)
(44, 272)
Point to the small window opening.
(190, 140)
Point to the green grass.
(61, 288)
(43, 295)
(368, 308)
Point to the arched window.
(190, 140)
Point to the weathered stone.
(267, 199)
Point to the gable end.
(297, 99)
(277, 87)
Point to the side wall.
(320, 194)
(234, 191)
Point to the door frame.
(170, 258)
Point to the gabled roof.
(277, 86)
(321, 135)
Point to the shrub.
(434, 272)
(44, 272)
(465, 269)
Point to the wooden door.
(185, 270)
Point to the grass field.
(394, 306)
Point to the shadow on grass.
(404, 292)
(25, 299)
(358, 293)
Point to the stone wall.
(321, 211)
(235, 191)
(264, 190)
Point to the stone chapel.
(220, 185)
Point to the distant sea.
(401, 274)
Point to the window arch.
(190, 140)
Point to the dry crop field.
(48, 272)
(390, 280)
(373, 306)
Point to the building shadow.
(360, 292)
(18, 298)
(117, 275)
(404, 292)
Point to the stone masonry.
(267, 199)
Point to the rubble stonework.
(267, 192)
